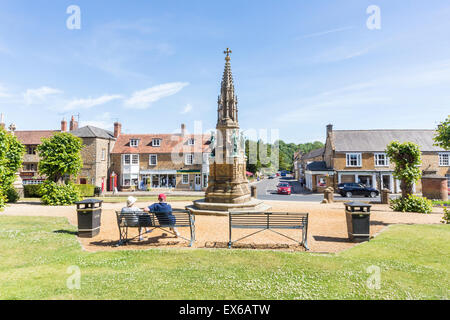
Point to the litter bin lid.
(89, 201)
(357, 204)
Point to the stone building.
(359, 156)
(96, 154)
(156, 161)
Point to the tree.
(442, 137)
(11, 153)
(406, 157)
(60, 156)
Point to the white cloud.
(143, 99)
(187, 109)
(322, 33)
(90, 102)
(39, 95)
(3, 92)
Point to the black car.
(356, 189)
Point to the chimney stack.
(329, 129)
(183, 129)
(117, 129)
(63, 125)
(73, 124)
(2, 121)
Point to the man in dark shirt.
(163, 212)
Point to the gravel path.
(327, 226)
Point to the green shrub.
(12, 196)
(54, 194)
(86, 190)
(32, 190)
(412, 203)
(446, 217)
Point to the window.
(353, 159)
(381, 160)
(134, 142)
(130, 159)
(31, 149)
(103, 154)
(189, 159)
(130, 180)
(156, 142)
(126, 159)
(153, 160)
(185, 179)
(30, 167)
(444, 159)
(191, 141)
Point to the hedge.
(32, 190)
(86, 190)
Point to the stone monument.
(228, 187)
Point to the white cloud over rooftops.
(144, 98)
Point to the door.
(198, 182)
(386, 182)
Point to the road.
(267, 190)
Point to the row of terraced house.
(112, 160)
(359, 156)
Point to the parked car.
(283, 173)
(272, 176)
(284, 188)
(356, 189)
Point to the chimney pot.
(117, 129)
(63, 125)
(73, 124)
(329, 129)
(183, 129)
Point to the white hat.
(130, 201)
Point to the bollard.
(385, 196)
(253, 191)
(328, 195)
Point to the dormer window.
(134, 142)
(191, 141)
(156, 142)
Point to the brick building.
(359, 156)
(153, 161)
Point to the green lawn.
(35, 253)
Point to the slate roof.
(33, 137)
(169, 143)
(317, 166)
(377, 140)
(314, 153)
(93, 132)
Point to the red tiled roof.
(169, 143)
(33, 137)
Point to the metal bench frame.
(269, 221)
(184, 218)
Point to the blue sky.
(298, 65)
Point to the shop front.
(158, 179)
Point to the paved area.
(267, 190)
(327, 226)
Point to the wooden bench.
(269, 221)
(183, 218)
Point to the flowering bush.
(446, 217)
(412, 203)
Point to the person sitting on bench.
(131, 208)
(163, 212)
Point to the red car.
(284, 188)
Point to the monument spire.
(227, 109)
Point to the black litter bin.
(89, 214)
(97, 191)
(358, 221)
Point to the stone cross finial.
(227, 52)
